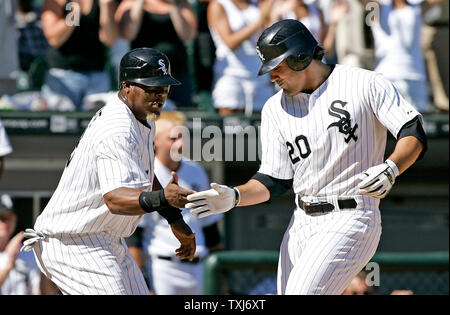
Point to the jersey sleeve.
(119, 164)
(390, 108)
(275, 159)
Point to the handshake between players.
(376, 182)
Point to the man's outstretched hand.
(175, 195)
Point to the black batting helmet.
(287, 39)
(146, 66)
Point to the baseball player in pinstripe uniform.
(324, 134)
(106, 187)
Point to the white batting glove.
(377, 181)
(219, 199)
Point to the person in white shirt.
(398, 52)
(153, 246)
(313, 17)
(9, 48)
(235, 26)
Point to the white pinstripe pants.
(321, 254)
(95, 264)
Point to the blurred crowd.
(63, 55)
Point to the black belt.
(196, 260)
(325, 207)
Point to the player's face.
(147, 101)
(292, 82)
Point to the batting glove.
(377, 181)
(219, 199)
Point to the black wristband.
(171, 214)
(153, 200)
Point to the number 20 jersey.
(326, 139)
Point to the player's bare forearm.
(124, 201)
(252, 193)
(406, 152)
(109, 29)
(129, 18)
(55, 27)
(186, 238)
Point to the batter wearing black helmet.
(324, 135)
(107, 185)
(144, 81)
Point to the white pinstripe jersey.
(324, 140)
(116, 150)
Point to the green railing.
(244, 272)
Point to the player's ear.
(126, 87)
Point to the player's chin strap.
(32, 238)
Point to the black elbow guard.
(414, 128)
(276, 186)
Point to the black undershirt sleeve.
(414, 128)
(276, 186)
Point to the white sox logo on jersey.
(343, 124)
(163, 67)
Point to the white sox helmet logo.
(163, 67)
(260, 54)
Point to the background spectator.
(166, 25)
(79, 33)
(18, 275)
(398, 52)
(204, 49)
(9, 57)
(235, 26)
(313, 18)
(351, 50)
(433, 10)
(358, 286)
(32, 41)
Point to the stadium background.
(413, 252)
